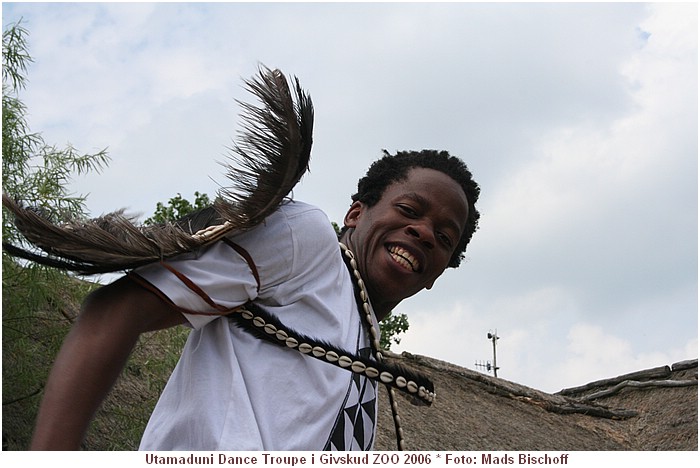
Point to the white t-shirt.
(233, 391)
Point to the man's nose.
(423, 232)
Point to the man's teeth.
(404, 258)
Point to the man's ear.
(353, 214)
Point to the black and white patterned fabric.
(356, 423)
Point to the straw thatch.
(655, 409)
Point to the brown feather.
(272, 134)
(270, 157)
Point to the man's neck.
(381, 310)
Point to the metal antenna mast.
(487, 365)
(493, 337)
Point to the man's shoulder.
(297, 206)
(299, 211)
(308, 225)
(294, 241)
(293, 219)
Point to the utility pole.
(493, 337)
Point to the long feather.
(272, 134)
(270, 157)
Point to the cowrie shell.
(386, 377)
(344, 361)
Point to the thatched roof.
(656, 409)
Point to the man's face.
(405, 241)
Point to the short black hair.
(395, 168)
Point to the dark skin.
(92, 357)
(405, 241)
(403, 244)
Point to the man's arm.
(92, 357)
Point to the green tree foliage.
(34, 172)
(391, 327)
(38, 303)
(177, 208)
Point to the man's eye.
(445, 239)
(408, 210)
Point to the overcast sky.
(579, 121)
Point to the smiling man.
(282, 281)
(412, 217)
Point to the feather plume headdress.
(268, 159)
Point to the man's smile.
(404, 258)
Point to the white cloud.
(578, 120)
(595, 353)
(540, 354)
(592, 229)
